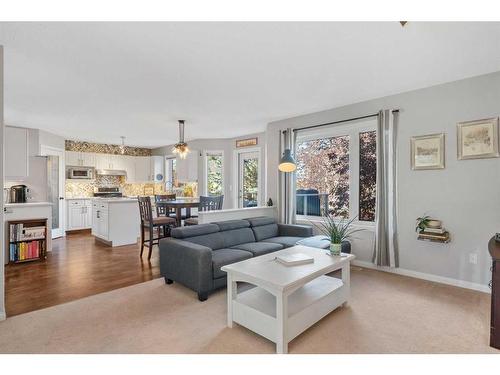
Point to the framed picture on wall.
(477, 139)
(427, 152)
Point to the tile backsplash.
(83, 189)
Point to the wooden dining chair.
(206, 204)
(149, 223)
(162, 210)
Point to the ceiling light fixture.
(287, 162)
(403, 23)
(181, 147)
(122, 146)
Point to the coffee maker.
(19, 194)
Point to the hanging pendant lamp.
(181, 147)
(287, 162)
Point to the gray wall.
(2, 242)
(228, 145)
(465, 195)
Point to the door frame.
(205, 170)
(236, 174)
(45, 151)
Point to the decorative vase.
(335, 248)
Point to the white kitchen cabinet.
(187, 169)
(103, 161)
(157, 168)
(116, 221)
(79, 214)
(129, 167)
(100, 223)
(16, 153)
(80, 159)
(142, 169)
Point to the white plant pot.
(335, 248)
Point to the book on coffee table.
(294, 259)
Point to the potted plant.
(337, 230)
(422, 223)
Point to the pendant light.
(287, 162)
(122, 146)
(181, 147)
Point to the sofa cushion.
(264, 232)
(232, 224)
(259, 248)
(223, 257)
(237, 236)
(213, 240)
(261, 220)
(192, 231)
(286, 241)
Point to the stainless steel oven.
(80, 173)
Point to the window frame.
(352, 130)
(174, 179)
(207, 153)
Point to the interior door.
(248, 179)
(55, 187)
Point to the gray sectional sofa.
(194, 255)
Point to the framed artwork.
(427, 152)
(477, 139)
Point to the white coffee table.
(286, 300)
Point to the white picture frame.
(477, 139)
(428, 152)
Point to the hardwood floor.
(77, 267)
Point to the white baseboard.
(425, 276)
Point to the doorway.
(55, 187)
(248, 178)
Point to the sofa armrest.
(294, 230)
(187, 263)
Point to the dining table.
(178, 204)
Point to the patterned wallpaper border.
(105, 148)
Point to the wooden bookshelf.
(23, 248)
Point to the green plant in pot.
(337, 230)
(422, 223)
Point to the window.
(170, 172)
(214, 173)
(367, 175)
(336, 171)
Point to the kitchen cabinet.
(157, 168)
(79, 214)
(103, 161)
(16, 153)
(129, 167)
(187, 169)
(142, 169)
(80, 159)
(100, 222)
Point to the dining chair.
(162, 210)
(149, 223)
(206, 204)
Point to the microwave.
(81, 173)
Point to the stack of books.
(434, 232)
(23, 251)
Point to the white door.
(56, 186)
(248, 179)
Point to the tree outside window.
(214, 175)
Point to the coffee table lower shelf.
(256, 309)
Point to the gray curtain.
(385, 251)
(286, 181)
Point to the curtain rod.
(339, 122)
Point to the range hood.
(111, 172)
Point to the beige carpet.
(387, 314)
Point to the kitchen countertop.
(28, 204)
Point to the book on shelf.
(434, 236)
(21, 251)
(20, 233)
(434, 230)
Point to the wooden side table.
(494, 249)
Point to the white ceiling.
(98, 81)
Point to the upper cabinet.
(157, 168)
(142, 169)
(187, 169)
(80, 159)
(16, 153)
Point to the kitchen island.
(116, 221)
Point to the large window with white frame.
(214, 173)
(336, 171)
